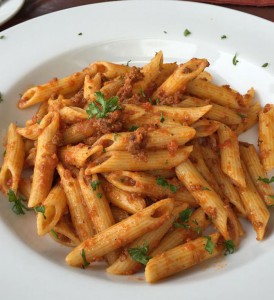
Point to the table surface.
(35, 8)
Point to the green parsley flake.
(2, 37)
(165, 32)
(265, 65)
(99, 195)
(209, 246)
(204, 188)
(187, 32)
(80, 33)
(4, 152)
(229, 247)
(54, 233)
(140, 254)
(115, 136)
(94, 184)
(266, 180)
(133, 128)
(142, 93)
(85, 262)
(223, 37)
(1, 98)
(106, 106)
(128, 62)
(18, 207)
(162, 119)
(162, 181)
(40, 209)
(184, 216)
(241, 115)
(235, 60)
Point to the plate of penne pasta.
(137, 161)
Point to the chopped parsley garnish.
(94, 184)
(187, 32)
(271, 196)
(1, 98)
(40, 209)
(198, 229)
(223, 37)
(142, 93)
(209, 246)
(265, 65)
(133, 128)
(38, 121)
(2, 37)
(229, 247)
(162, 119)
(165, 32)
(140, 254)
(115, 136)
(54, 233)
(266, 180)
(241, 115)
(106, 106)
(162, 181)
(99, 195)
(204, 188)
(85, 262)
(4, 152)
(128, 62)
(18, 207)
(184, 216)
(80, 33)
(235, 60)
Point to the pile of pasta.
(142, 166)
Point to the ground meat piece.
(78, 99)
(172, 147)
(109, 124)
(164, 99)
(137, 142)
(136, 99)
(131, 77)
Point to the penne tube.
(125, 264)
(222, 95)
(257, 212)
(205, 127)
(63, 86)
(195, 226)
(218, 112)
(30, 132)
(109, 69)
(77, 132)
(79, 216)
(166, 70)
(178, 81)
(12, 167)
(45, 159)
(162, 173)
(230, 155)
(147, 185)
(266, 136)
(54, 206)
(183, 115)
(39, 115)
(257, 173)
(122, 160)
(249, 119)
(228, 190)
(156, 139)
(92, 85)
(196, 157)
(150, 72)
(71, 114)
(183, 257)
(208, 199)
(122, 233)
(64, 234)
(98, 207)
(129, 202)
(78, 155)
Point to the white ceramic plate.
(38, 50)
(9, 8)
